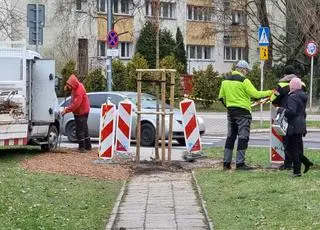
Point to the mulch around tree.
(71, 162)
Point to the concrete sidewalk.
(161, 200)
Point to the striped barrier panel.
(190, 126)
(276, 141)
(123, 131)
(13, 141)
(107, 128)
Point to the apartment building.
(215, 32)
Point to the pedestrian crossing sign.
(264, 53)
(264, 35)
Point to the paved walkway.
(161, 200)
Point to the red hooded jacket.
(80, 104)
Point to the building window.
(238, 18)
(125, 49)
(192, 52)
(101, 5)
(78, 5)
(207, 52)
(233, 53)
(121, 6)
(199, 13)
(101, 48)
(167, 9)
(200, 52)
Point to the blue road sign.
(264, 35)
(113, 39)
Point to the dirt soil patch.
(70, 162)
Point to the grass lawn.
(266, 124)
(51, 201)
(261, 199)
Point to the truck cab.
(28, 102)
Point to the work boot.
(81, 150)
(87, 144)
(226, 166)
(243, 166)
(294, 175)
(285, 167)
(307, 166)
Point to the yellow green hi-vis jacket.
(237, 90)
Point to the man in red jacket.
(80, 107)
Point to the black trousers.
(287, 156)
(82, 131)
(295, 151)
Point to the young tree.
(67, 70)
(206, 84)
(94, 81)
(146, 44)
(10, 20)
(137, 62)
(119, 73)
(180, 52)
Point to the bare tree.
(10, 19)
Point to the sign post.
(112, 42)
(36, 23)
(263, 40)
(311, 50)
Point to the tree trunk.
(82, 58)
(264, 22)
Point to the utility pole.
(109, 58)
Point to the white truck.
(28, 102)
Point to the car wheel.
(52, 139)
(148, 133)
(71, 131)
(181, 141)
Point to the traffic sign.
(264, 53)
(112, 39)
(264, 35)
(311, 49)
(112, 52)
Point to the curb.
(203, 203)
(116, 206)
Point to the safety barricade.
(190, 126)
(276, 142)
(107, 129)
(123, 131)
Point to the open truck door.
(27, 98)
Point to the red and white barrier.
(107, 128)
(123, 132)
(190, 126)
(276, 141)
(14, 141)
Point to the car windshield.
(147, 101)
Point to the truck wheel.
(148, 133)
(52, 138)
(71, 131)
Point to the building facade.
(218, 32)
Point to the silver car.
(148, 122)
